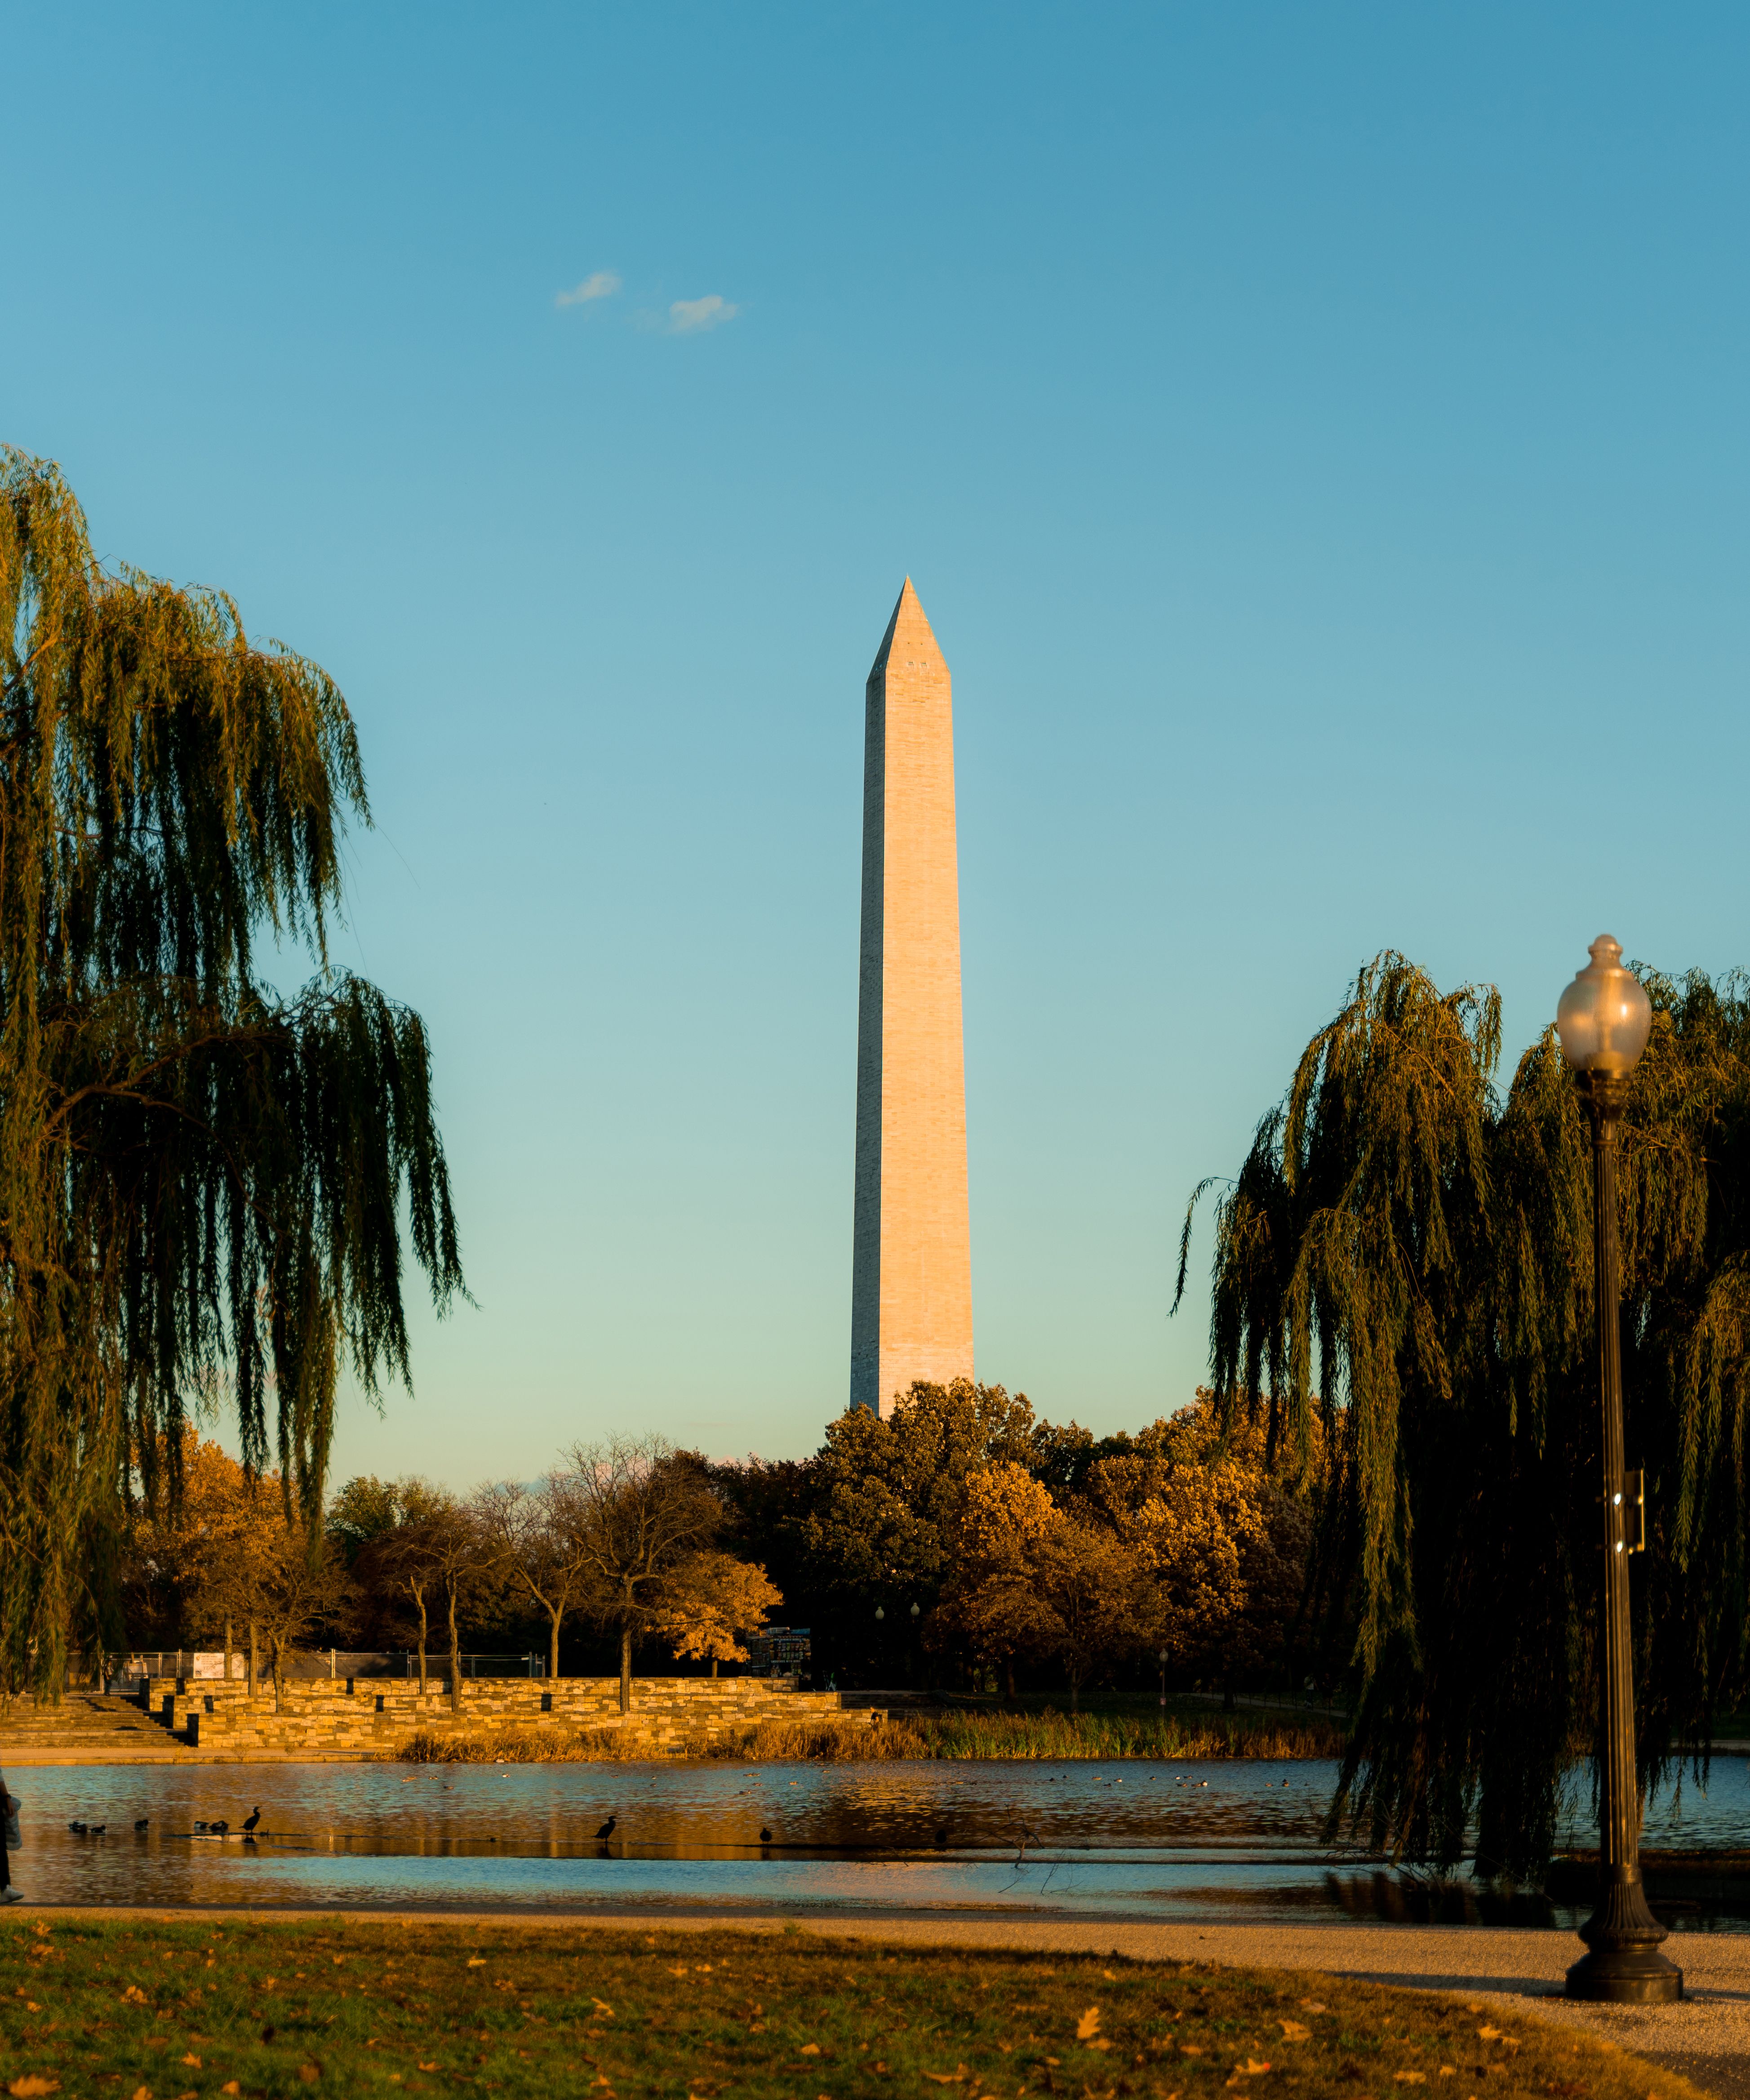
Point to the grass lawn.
(165, 2009)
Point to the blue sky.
(1318, 437)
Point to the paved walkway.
(1707, 2038)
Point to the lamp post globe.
(1603, 1021)
(1605, 1015)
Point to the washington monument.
(911, 1274)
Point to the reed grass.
(860, 1738)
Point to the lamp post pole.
(1604, 1019)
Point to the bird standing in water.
(250, 1822)
(766, 1835)
(607, 1827)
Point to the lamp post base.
(1624, 1966)
(1625, 1976)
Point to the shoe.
(10, 1895)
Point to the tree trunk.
(625, 1668)
(228, 1650)
(255, 1661)
(420, 1601)
(552, 1667)
(1008, 1676)
(713, 1665)
(455, 1658)
(277, 1666)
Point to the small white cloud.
(694, 316)
(603, 285)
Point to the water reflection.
(1139, 1839)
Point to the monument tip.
(910, 624)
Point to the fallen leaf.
(1447, 2071)
(1489, 2034)
(603, 2008)
(133, 1996)
(947, 2077)
(308, 2073)
(1411, 2077)
(1111, 1975)
(1311, 2005)
(30, 2087)
(192, 2061)
(1088, 2024)
(1295, 2031)
(477, 1961)
(143, 2092)
(427, 2066)
(809, 2049)
(230, 2085)
(1191, 2049)
(678, 1972)
(32, 2006)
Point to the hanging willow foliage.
(201, 1184)
(1408, 1255)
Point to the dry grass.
(181, 2009)
(865, 1738)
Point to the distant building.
(779, 1652)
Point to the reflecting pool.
(1138, 1839)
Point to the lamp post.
(1603, 1020)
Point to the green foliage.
(1404, 1270)
(201, 1183)
(887, 1493)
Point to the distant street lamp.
(915, 1609)
(1603, 1021)
(881, 1613)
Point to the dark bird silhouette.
(250, 1822)
(97, 1829)
(766, 1835)
(77, 1829)
(218, 1828)
(199, 1827)
(607, 1827)
(141, 1822)
(941, 1837)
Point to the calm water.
(1217, 1840)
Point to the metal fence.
(307, 1663)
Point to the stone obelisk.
(911, 1278)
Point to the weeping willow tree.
(1406, 1256)
(204, 1187)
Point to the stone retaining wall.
(375, 1716)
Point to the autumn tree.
(992, 1603)
(543, 1541)
(886, 1497)
(644, 1508)
(389, 1533)
(202, 1183)
(707, 1602)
